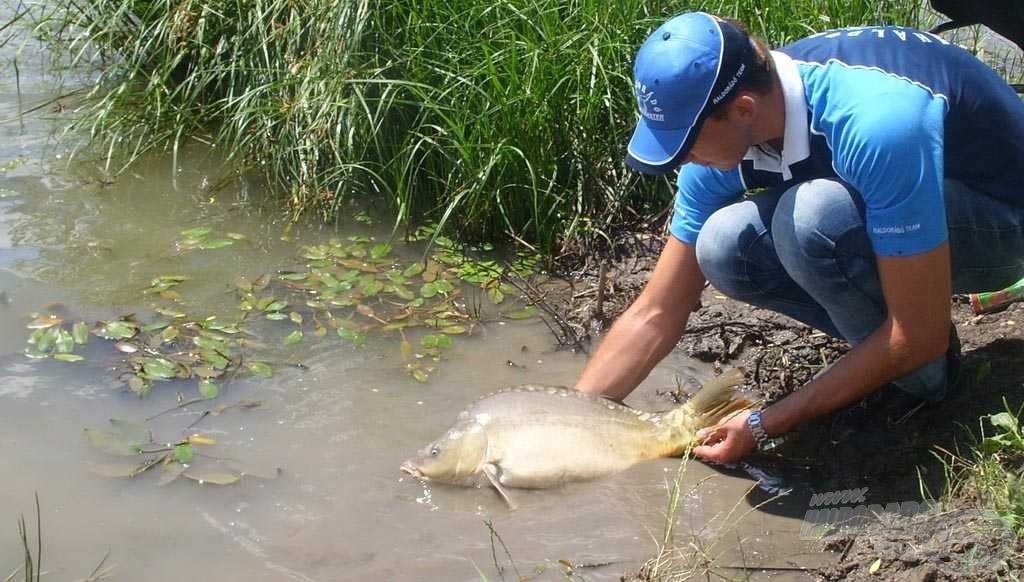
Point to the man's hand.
(728, 441)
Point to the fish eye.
(435, 451)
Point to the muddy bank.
(885, 443)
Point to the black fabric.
(1003, 16)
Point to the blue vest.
(893, 112)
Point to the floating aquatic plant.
(355, 286)
(183, 457)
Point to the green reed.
(500, 120)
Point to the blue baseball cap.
(686, 67)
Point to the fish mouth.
(408, 467)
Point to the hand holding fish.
(726, 442)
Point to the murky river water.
(338, 429)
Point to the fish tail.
(715, 400)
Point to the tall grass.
(498, 119)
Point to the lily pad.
(357, 338)
(525, 313)
(208, 389)
(158, 369)
(80, 333)
(183, 453)
(113, 442)
(116, 330)
(261, 369)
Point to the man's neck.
(773, 126)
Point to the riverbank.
(900, 453)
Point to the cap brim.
(657, 151)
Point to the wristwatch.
(761, 438)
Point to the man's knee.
(723, 241)
(813, 220)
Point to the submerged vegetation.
(350, 287)
(502, 120)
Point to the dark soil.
(884, 443)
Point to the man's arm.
(647, 331)
(917, 292)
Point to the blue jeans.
(805, 252)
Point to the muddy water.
(337, 428)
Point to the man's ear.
(743, 108)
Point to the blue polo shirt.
(891, 111)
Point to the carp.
(542, 436)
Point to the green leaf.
(80, 333)
(495, 294)
(43, 340)
(413, 270)
(370, 286)
(296, 317)
(261, 369)
(199, 232)
(183, 453)
(209, 343)
(357, 338)
(433, 340)
(208, 389)
(64, 342)
(169, 313)
(315, 253)
(524, 313)
(292, 276)
(215, 359)
(1005, 421)
(68, 357)
(397, 325)
(379, 251)
(293, 338)
(454, 329)
(991, 445)
(275, 306)
(158, 368)
(419, 375)
(35, 354)
(169, 334)
(117, 330)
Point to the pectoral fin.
(492, 473)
